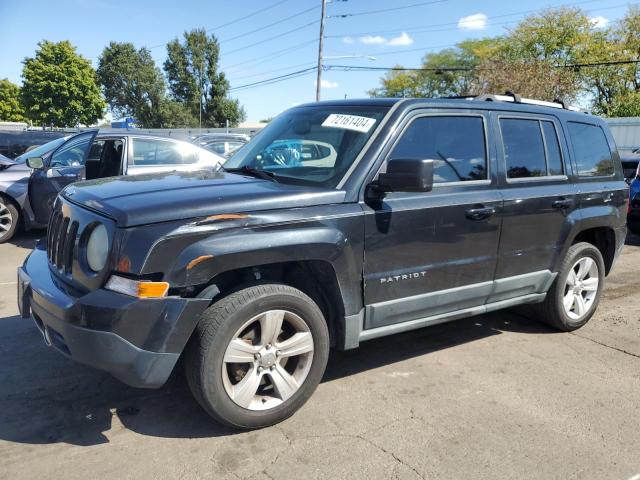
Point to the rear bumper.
(137, 340)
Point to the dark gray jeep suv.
(338, 223)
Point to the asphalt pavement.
(498, 397)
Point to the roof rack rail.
(510, 96)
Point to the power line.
(371, 12)
(263, 27)
(428, 28)
(306, 64)
(264, 40)
(265, 58)
(269, 81)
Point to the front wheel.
(257, 355)
(9, 220)
(574, 296)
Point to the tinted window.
(591, 150)
(523, 147)
(554, 158)
(72, 152)
(455, 144)
(162, 152)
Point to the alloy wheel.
(581, 288)
(6, 219)
(267, 360)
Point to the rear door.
(433, 253)
(66, 165)
(539, 191)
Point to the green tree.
(132, 84)
(615, 87)
(448, 72)
(195, 79)
(60, 87)
(531, 58)
(10, 107)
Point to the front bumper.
(136, 340)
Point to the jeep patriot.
(340, 222)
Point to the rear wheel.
(574, 296)
(9, 220)
(257, 355)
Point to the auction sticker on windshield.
(349, 122)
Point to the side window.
(523, 147)
(455, 144)
(71, 154)
(162, 152)
(531, 148)
(591, 149)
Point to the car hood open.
(143, 199)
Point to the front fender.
(336, 239)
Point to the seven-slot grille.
(61, 241)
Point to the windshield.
(312, 145)
(41, 150)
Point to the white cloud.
(326, 84)
(370, 40)
(401, 41)
(477, 21)
(599, 21)
(347, 40)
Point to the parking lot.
(497, 396)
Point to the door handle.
(479, 213)
(563, 203)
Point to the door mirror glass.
(36, 163)
(407, 175)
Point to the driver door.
(66, 165)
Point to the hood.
(161, 197)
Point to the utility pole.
(320, 42)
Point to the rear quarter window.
(591, 150)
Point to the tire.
(552, 310)
(234, 329)
(9, 219)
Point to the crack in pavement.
(617, 349)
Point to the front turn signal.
(137, 288)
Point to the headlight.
(98, 248)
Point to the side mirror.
(407, 175)
(37, 163)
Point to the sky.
(264, 39)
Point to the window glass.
(554, 157)
(455, 144)
(71, 153)
(310, 145)
(591, 150)
(523, 147)
(163, 152)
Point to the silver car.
(30, 183)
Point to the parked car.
(633, 214)
(16, 142)
(29, 186)
(224, 144)
(630, 166)
(421, 212)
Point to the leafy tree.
(615, 87)
(10, 107)
(132, 84)
(530, 58)
(60, 87)
(194, 78)
(448, 72)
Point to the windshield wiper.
(254, 172)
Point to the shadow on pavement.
(632, 240)
(47, 398)
(27, 240)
